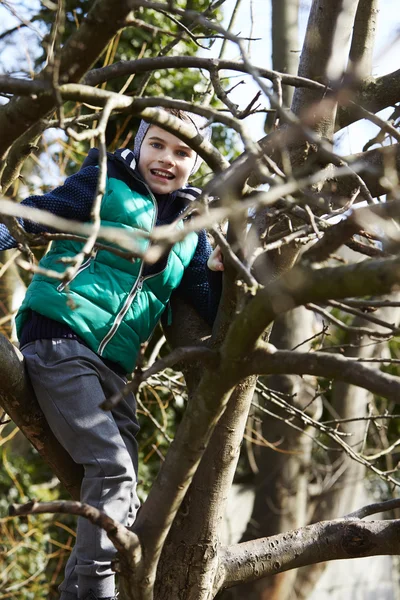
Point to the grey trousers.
(70, 382)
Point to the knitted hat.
(196, 120)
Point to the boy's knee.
(119, 469)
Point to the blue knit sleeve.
(72, 200)
(200, 286)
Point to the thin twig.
(363, 315)
(373, 509)
(360, 330)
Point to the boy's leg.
(67, 377)
(125, 417)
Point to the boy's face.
(165, 162)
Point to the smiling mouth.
(163, 174)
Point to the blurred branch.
(373, 509)
(375, 95)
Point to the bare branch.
(328, 540)
(97, 76)
(365, 305)
(300, 286)
(365, 316)
(349, 328)
(373, 509)
(321, 364)
(122, 538)
(362, 43)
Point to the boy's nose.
(166, 158)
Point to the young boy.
(80, 340)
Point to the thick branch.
(196, 527)
(322, 364)
(321, 51)
(375, 95)
(157, 514)
(285, 36)
(144, 65)
(300, 286)
(362, 43)
(18, 400)
(329, 540)
(373, 509)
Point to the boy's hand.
(216, 261)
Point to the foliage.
(33, 550)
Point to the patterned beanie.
(196, 120)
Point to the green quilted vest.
(109, 304)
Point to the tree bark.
(195, 535)
(374, 95)
(363, 40)
(10, 286)
(327, 21)
(329, 540)
(281, 496)
(19, 402)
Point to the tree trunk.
(195, 535)
(281, 483)
(285, 41)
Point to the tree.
(284, 260)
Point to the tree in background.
(281, 253)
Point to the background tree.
(281, 253)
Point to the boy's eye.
(156, 145)
(182, 153)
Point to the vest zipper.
(85, 265)
(118, 319)
(137, 286)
